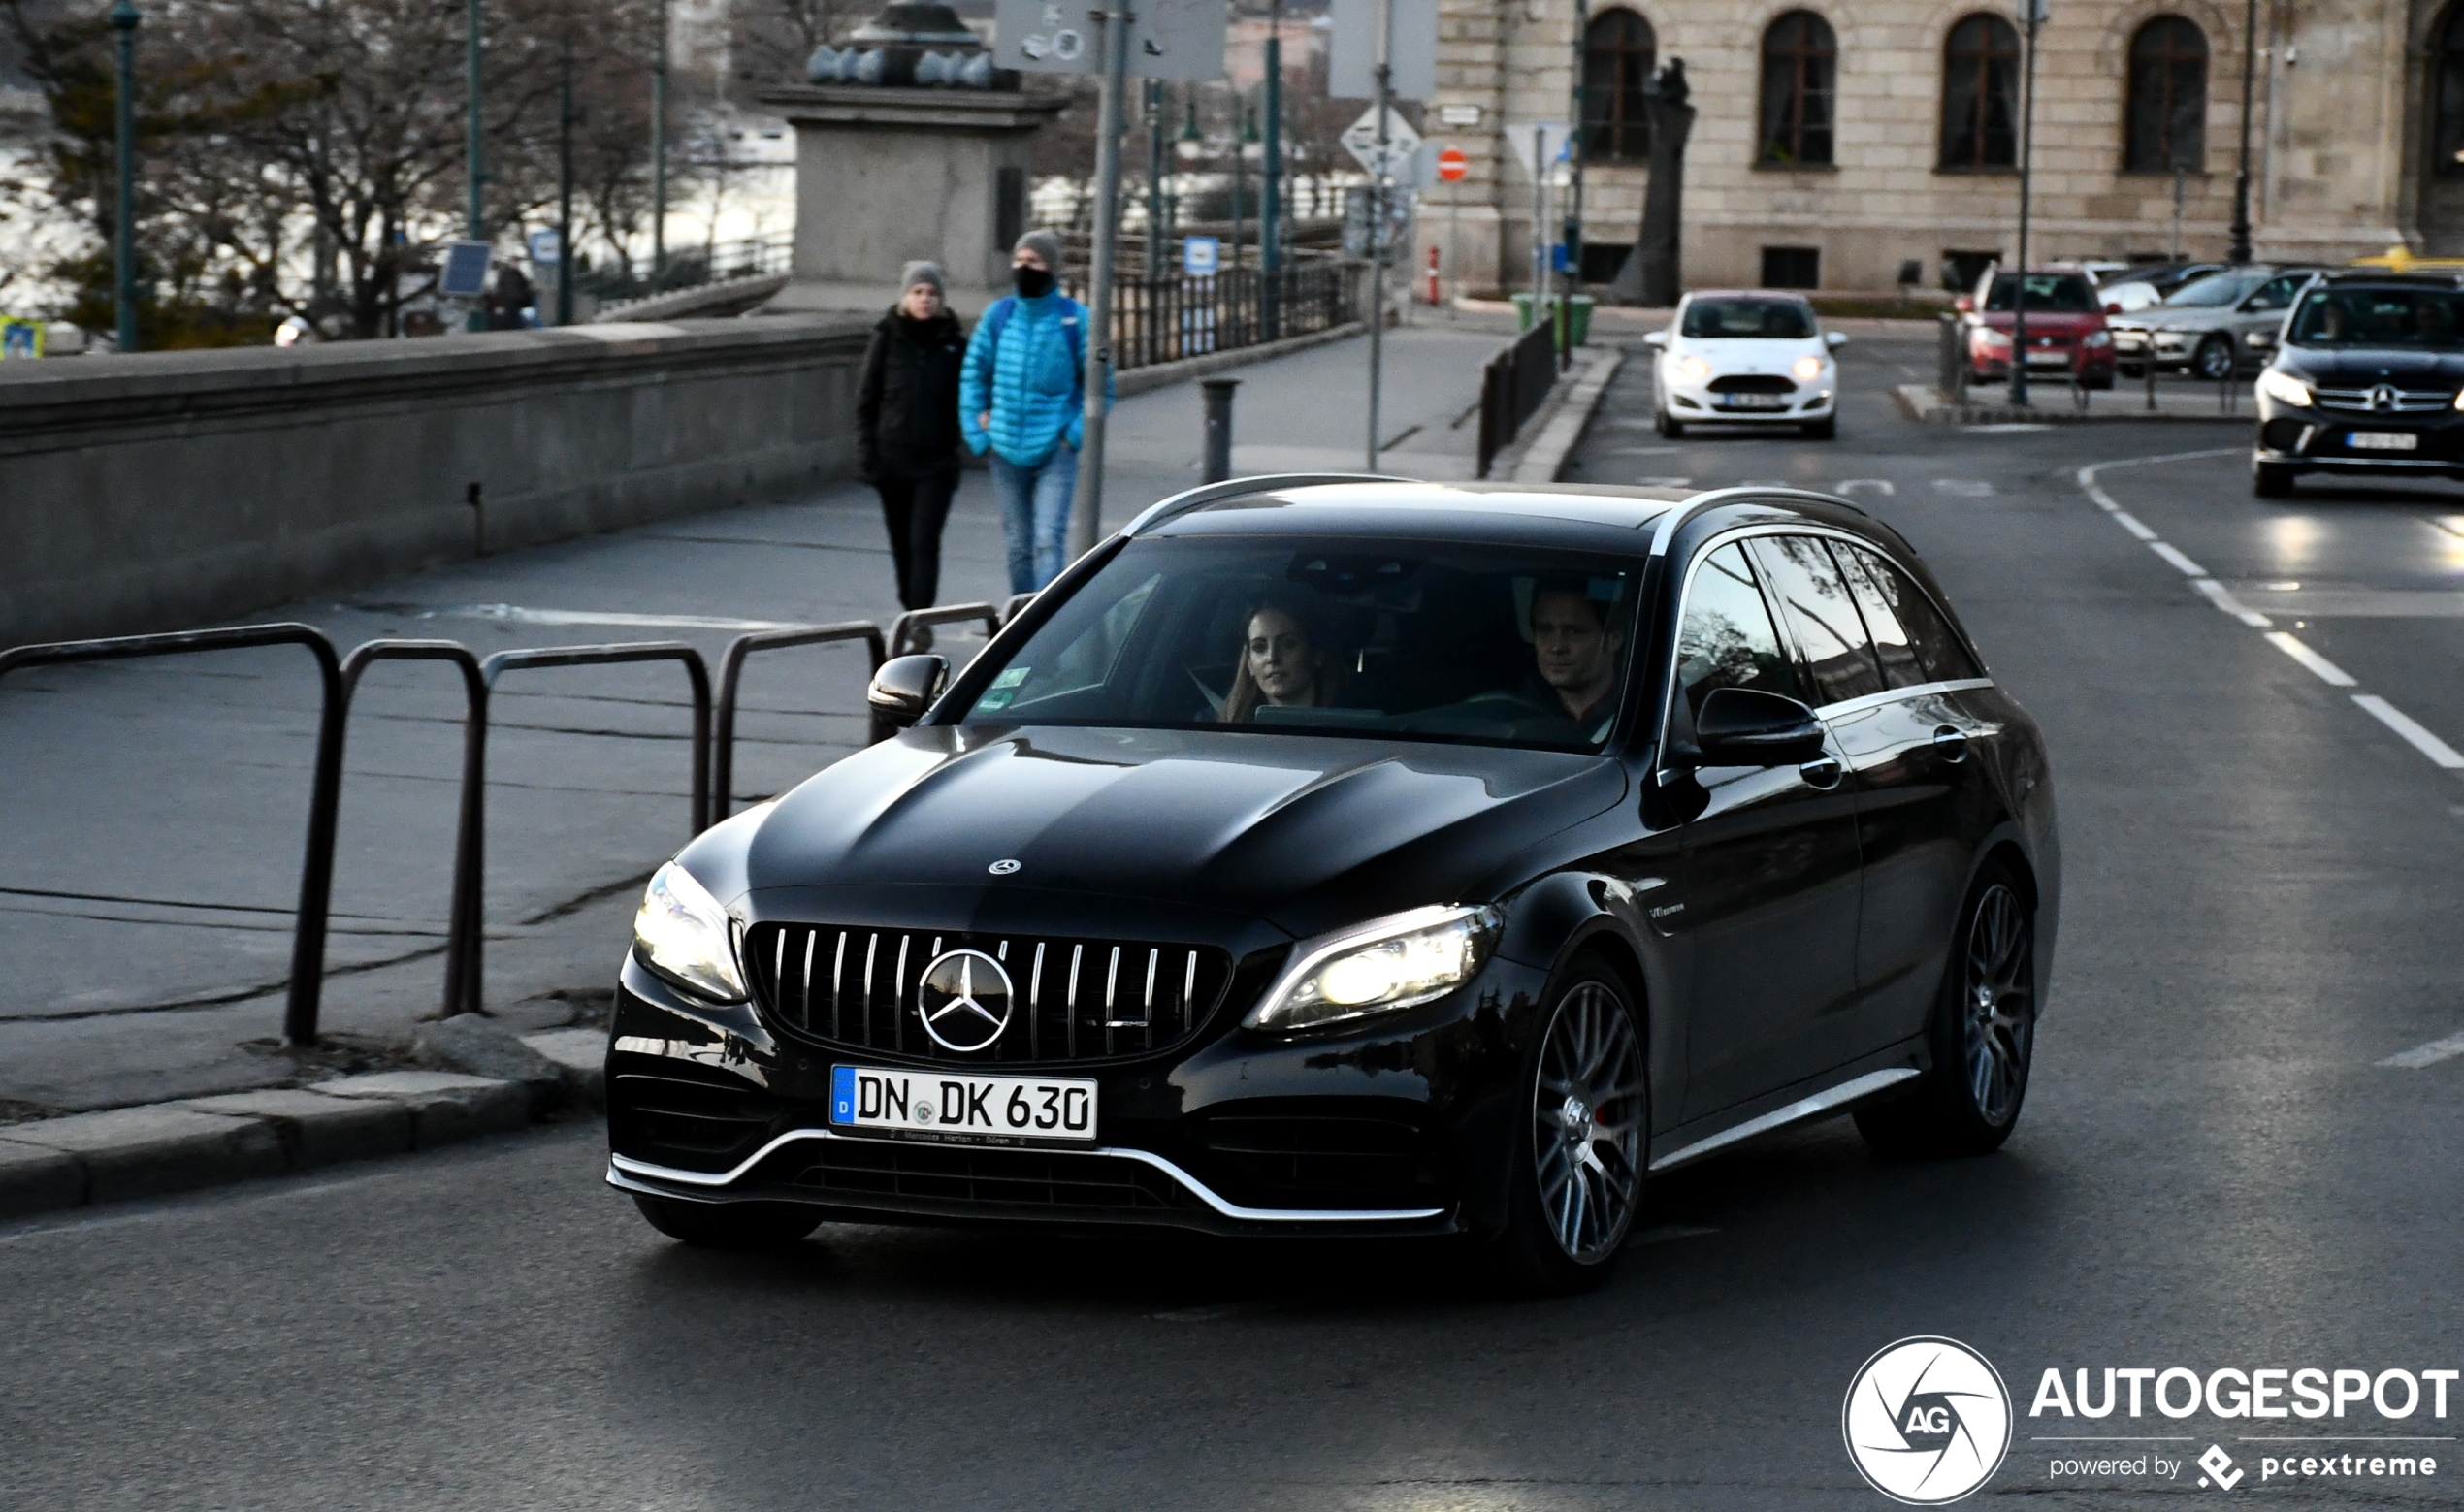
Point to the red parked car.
(2066, 331)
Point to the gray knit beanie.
(921, 273)
(1046, 244)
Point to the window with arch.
(2447, 96)
(1619, 52)
(2167, 122)
(1980, 94)
(1800, 67)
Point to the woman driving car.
(1282, 662)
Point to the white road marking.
(2223, 597)
(1964, 488)
(2006, 428)
(2429, 1054)
(1664, 482)
(515, 614)
(2404, 724)
(1880, 486)
(2327, 672)
(2181, 563)
(2131, 522)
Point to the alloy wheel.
(1587, 1115)
(1998, 1004)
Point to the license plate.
(1753, 401)
(999, 1109)
(2383, 440)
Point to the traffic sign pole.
(1379, 178)
(1453, 165)
(1088, 507)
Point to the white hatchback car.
(1747, 356)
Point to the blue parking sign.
(1200, 255)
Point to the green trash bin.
(1577, 315)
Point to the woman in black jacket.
(907, 421)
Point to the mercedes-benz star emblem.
(963, 999)
(2382, 397)
(1004, 867)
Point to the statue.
(1651, 275)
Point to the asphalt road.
(2213, 1169)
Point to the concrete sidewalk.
(150, 853)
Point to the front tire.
(1983, 1036)
(727, 1225)
(1581, 1140)
(1822, 429)
(1670, 428)
(2214, 359)
(2271, 480)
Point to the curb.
(1923, 402)
(1558, 426)
(160, 1148)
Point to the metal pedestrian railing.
(731, 676)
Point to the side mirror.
(1656, 338)
(1834, 340)
(1965, 304)
(905, 686)
(1745, 726)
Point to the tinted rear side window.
(1900, 667)
(1728, 640)
(1941, 655)
(1820, 615)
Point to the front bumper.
(2315, 439)
(1401, 1127)
(1697, 404)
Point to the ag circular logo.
(963, 999)
(1928, 1421)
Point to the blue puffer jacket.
(1033, 385)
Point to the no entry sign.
(1453, 165)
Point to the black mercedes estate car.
(1352, 856)
(2368, 380)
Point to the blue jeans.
(1035, 515)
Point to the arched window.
(1980, 94)
(1619, 53)
(2167, 125)
(2447, 92)
(1800, 62)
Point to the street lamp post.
(2027, 171)
(474, 155)
(1574, 233)
(2240, 251)
(659, 152)
(124, 21)
(565, 181)
(1270, 221)
(1087, 505)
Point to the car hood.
(2358, 366)
(1308, 832)
(1732, 354)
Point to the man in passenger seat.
(1576, 651)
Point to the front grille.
(1006, 1177)
(1071, 999)
(1753, 383)
(1288, 1159)
(2405, 402)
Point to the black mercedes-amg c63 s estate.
(1348, 857)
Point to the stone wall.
(2335, 101)
(159, 491)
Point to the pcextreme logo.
(1927, 1421)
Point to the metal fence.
(1162, 320)
(689, 268)
(1512, 385)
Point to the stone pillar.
(884, 176)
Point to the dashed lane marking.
(1882, 486)
(2406, 729)
(2429, 1054)
(1964, 488)
(2327, 671)
(1664, 482)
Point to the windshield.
(2217, 288)
(1419, 640)
(2429, 318)
(1770, 320)
(2065, 293)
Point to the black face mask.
(1034, 282)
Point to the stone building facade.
(1834, 142)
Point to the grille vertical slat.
(788, 973)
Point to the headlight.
(1693, 369)
(1987, 335)
(1387, 964)
(1806, 369)
(684, 936)
(2286, 389)
(2098, 339)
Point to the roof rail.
(1233, 488)
(1667, 523)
